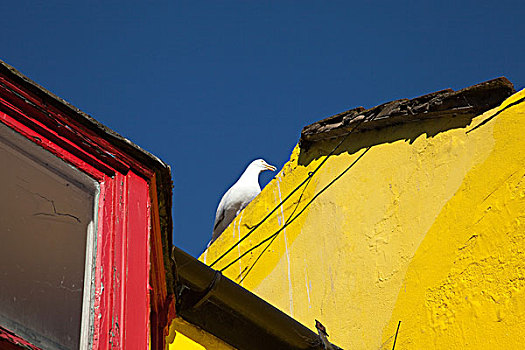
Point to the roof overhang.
(223, 308)
(108, 153)
(470, 101)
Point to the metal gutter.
(223, 308)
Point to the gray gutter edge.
(218, 305)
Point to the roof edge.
(472, 100)
(221, 307)
(83, 118)
(161, 169)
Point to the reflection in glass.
(46, 208)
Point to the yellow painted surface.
(427, 228)
(185, 336)
(182, 342)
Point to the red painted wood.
(11, 341)
(162, 305)
(69, 129)
(136, 304)
(159, 324)
(123, 314)
(104, 261)
(128, 242)
(50, 136)
(117, 274)
(72, 158)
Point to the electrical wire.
(310, 175)
(269, 244)
(298, 214)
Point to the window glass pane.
(46, 208)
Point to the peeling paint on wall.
(282, 222)
(238, 239)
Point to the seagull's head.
(261, 165)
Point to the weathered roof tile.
(472, 100)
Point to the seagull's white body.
(238, 196)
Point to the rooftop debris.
(472, 100)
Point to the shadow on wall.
(402, 119)
(408, 132)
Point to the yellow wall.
(427, 228)
(185, 336)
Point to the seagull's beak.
(269, 167)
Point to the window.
(47, 223)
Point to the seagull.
(239, 195)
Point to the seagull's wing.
(224, 215)
(219, 214)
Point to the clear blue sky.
(209, 86)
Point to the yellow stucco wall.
(427, 228)
(185, 336)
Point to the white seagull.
(239, 195)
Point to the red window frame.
(128, 241)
